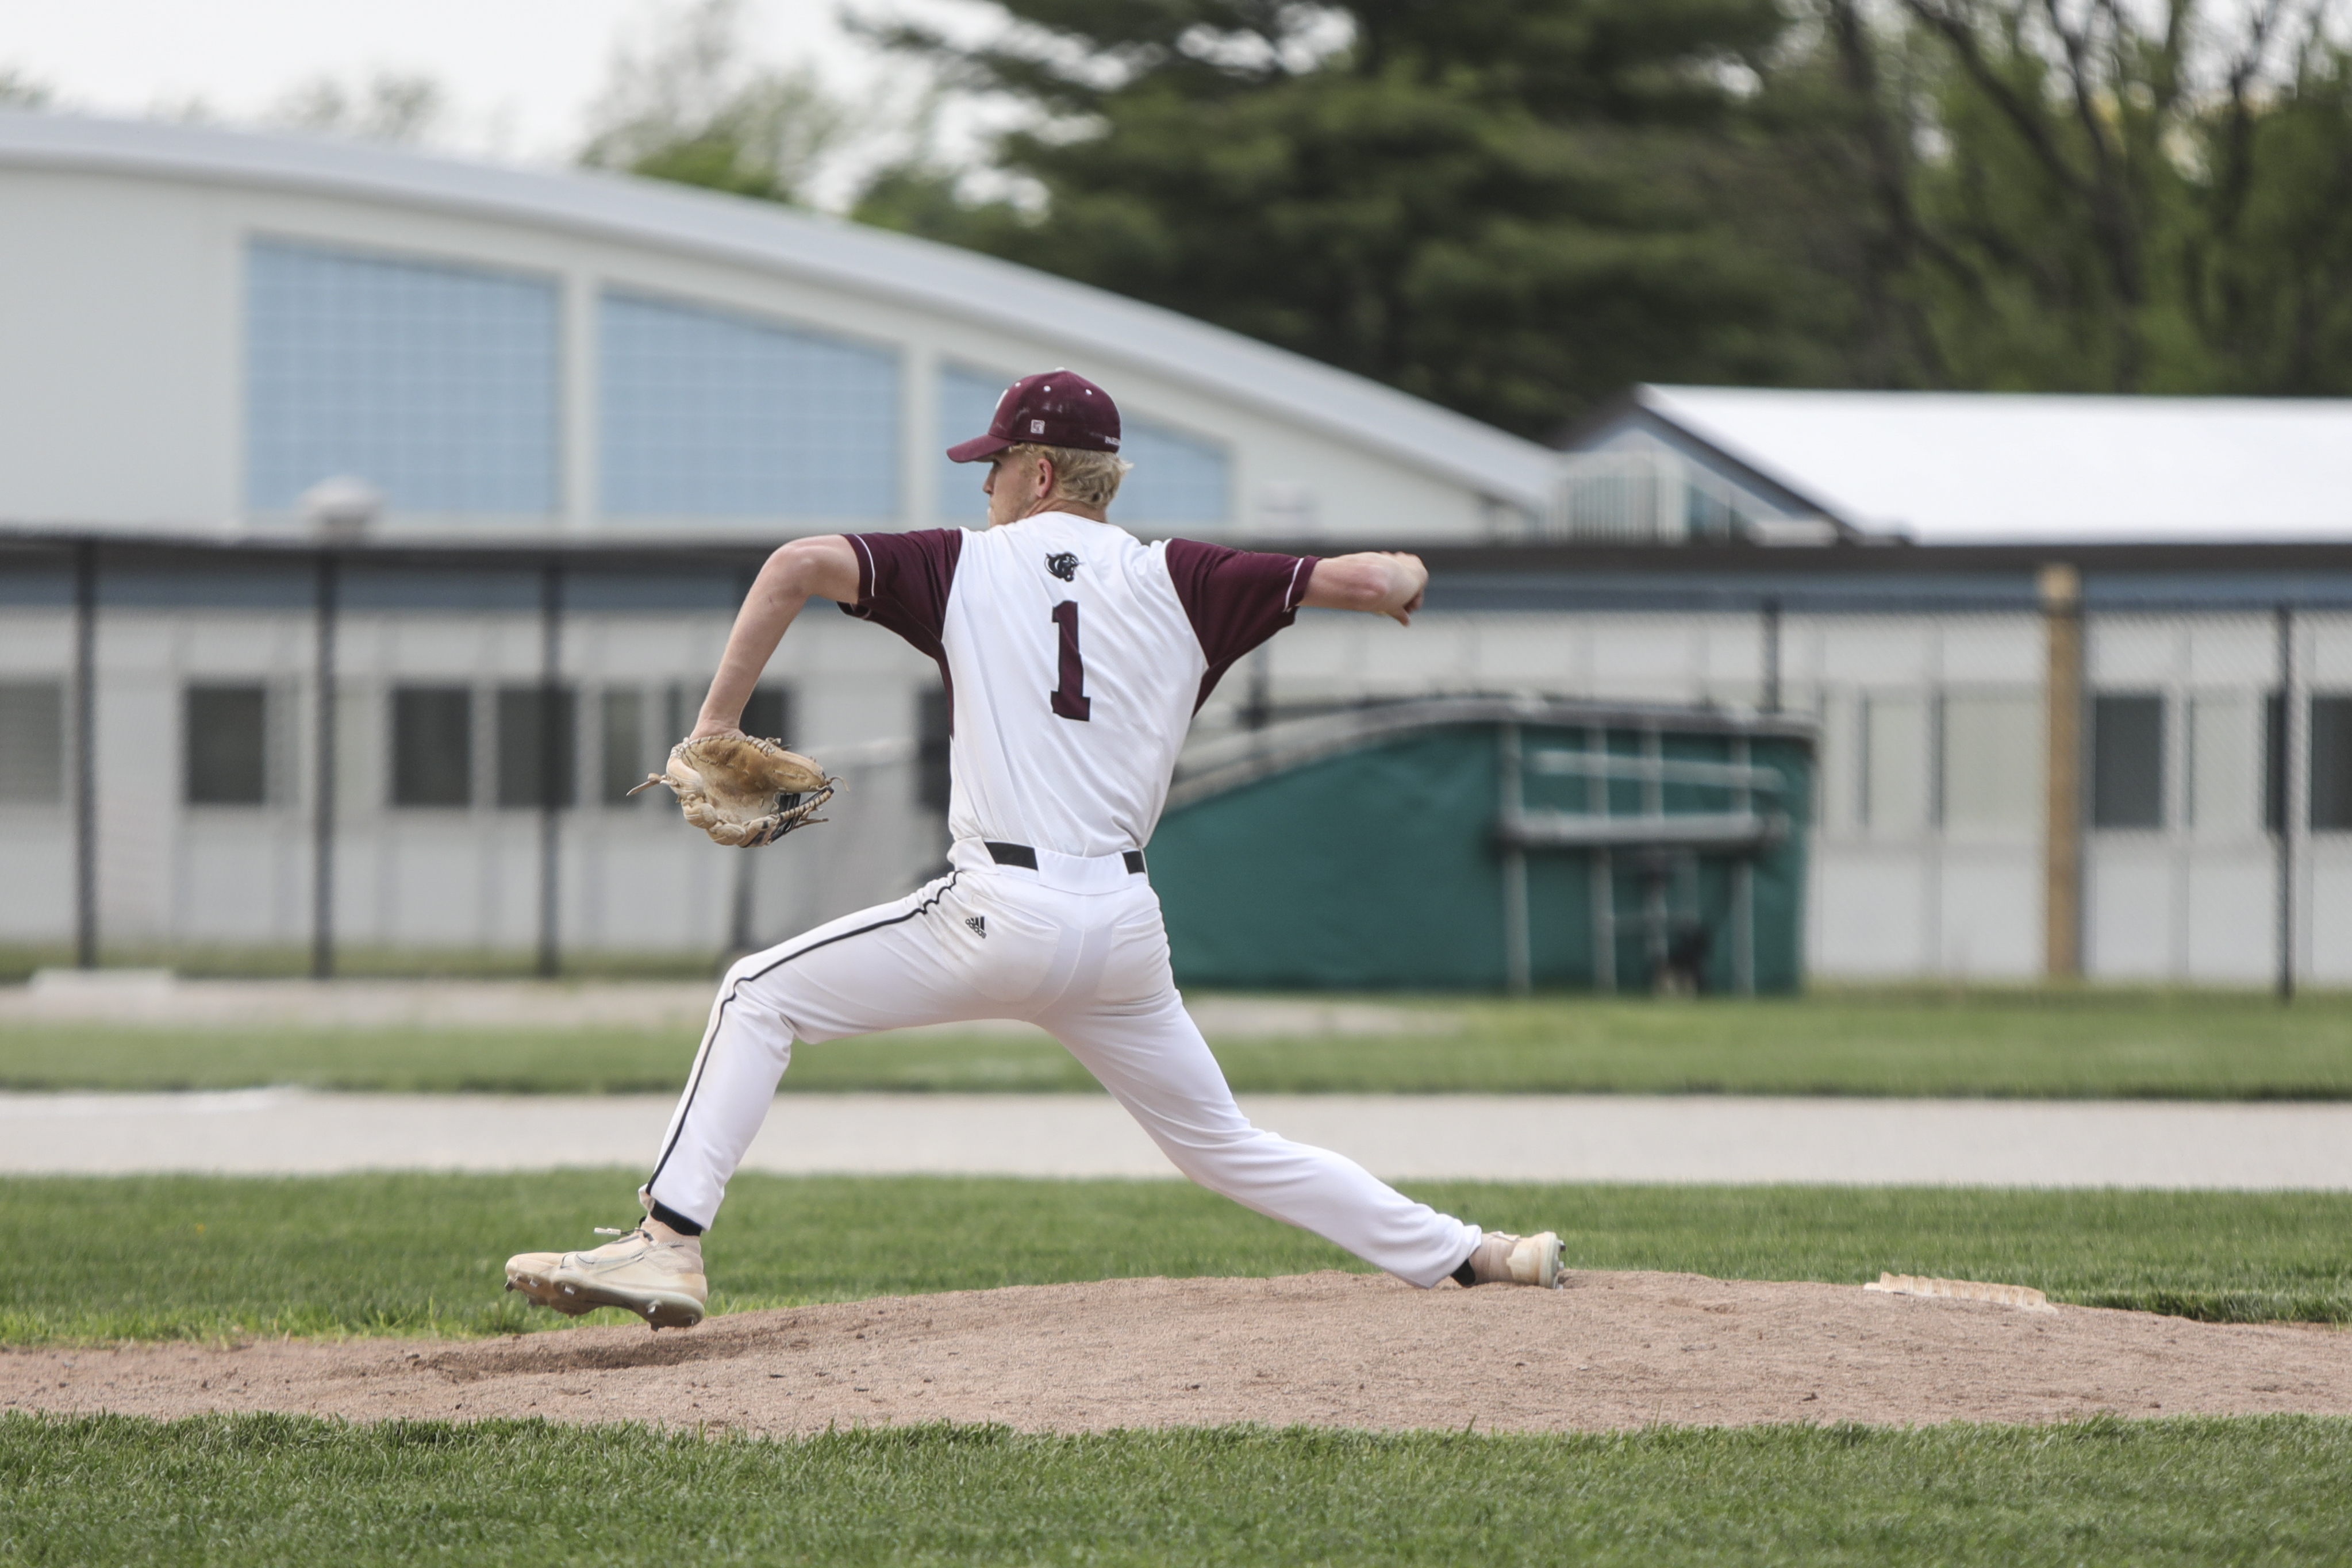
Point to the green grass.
(2033, 1043)
(286, 1489)
(406, 1061)
(291, 960)
(222, 1257)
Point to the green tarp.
(1381, 869)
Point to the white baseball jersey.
(1074, 657)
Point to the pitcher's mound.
(1336, 1350)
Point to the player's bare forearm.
(1379, 583)
(825, 568)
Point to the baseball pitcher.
(1074, 659)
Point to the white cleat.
(655, 1275)
(1502, 1259)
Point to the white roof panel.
(1985, 467)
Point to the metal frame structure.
(1667, 845)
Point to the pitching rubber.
(2024, 1295)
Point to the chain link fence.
(2150, 781)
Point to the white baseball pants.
(1075, 947)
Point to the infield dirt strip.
(1331, 1349)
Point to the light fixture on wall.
(341, 509)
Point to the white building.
(475, 374)
(2209, 542)
(523, 357)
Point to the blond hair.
(1090, 479)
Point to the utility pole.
(554, 735)
(85, 753)
(2293, 754)
(2061, 856)
(322, 819)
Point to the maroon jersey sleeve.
(1236, 599)
(903, 580)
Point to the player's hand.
(1402, 614)
(710, 727)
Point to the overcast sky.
(520, 71)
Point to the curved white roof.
(1985, 467)
(819, 250)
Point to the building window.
(226, 745)
(32, 743)
(684, 709)
(1177, 477)
(432, 745)
(2331, 764)
(709, 413)
(535, 747)
(628, 756)
(768, 713)
(967, 401)
(931, 719)
(2127, 761)
(2273, 762)
(435, 384)
(2330, 718)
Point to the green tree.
(2089, 198)
(1512, 208)
(2270, 290)
(390, 107)
(688, 107)
(21, 90)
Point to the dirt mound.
(1339, 1350)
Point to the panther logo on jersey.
(1063, 564)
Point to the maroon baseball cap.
(1053, 408)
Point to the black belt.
(1022, 855)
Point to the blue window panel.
(435, 384)
(1176, 479)
(967, 403)
(710, 414)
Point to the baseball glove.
(742, 791)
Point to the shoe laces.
(632, 1230)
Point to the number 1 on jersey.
(1070, 697)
